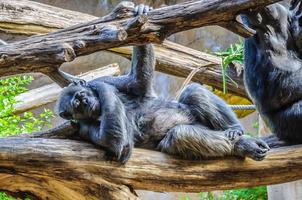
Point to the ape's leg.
(210, 110)
(114, 132)
(196, 141)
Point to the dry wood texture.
(174, 59)
(76, 170)
(47, 52)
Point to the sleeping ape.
(273, 69)
(117, 113)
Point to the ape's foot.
(251, 147)
(233, 134)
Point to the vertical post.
(290, 191)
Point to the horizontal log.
(46, 53)
(49, 93)
(171, 58)
(31, 18)
(71, 166)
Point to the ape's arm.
(273, 68)
(139, 81)
(142, 69)
(113, 131)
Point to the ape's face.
(79, 103)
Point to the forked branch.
(46, 53)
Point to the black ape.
(117, 113)
(273, 68)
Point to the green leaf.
(11, 124)
(234, 53)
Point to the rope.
(2, 42)
(189, 78)
(243, 107)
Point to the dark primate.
(273, 68)
(117, 113)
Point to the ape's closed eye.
(65, 115)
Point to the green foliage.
(185, 198)
(256, 193)
(11, 124)
(256, 125)
(234, 53)
(207, 196)
(4, 196)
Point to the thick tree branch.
(51, 173)
(74, 166)
(47, 52)
(24, 21)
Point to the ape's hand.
(142, 9)
(120, 155)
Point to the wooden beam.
(32, 18)
(171, 58)
(49, 93)
(28, 17)
(77, 170)
(46, 53)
